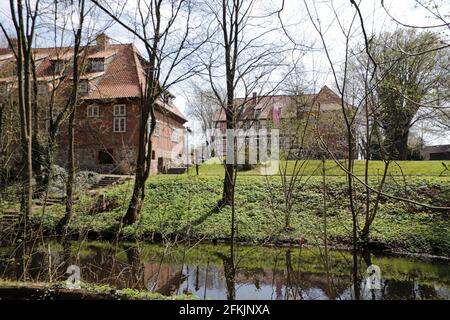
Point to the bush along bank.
(186, 206)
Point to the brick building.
(107, 119)
(296, 117)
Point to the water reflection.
(227, 272)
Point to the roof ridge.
(137, 63)
(288, 95)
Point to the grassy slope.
(181, 205)
(313, 167)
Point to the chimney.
(102, 40)
(254, 98)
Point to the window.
(256, 112)
(247, 124)
(83, 87)
(261, 124)
(42, 89)
(153, 155)
(119, 120)
(120, 110)
(92, 111)
(224, 145)
(97, 65)
(105, 157)
(120, 124)
(175, 135)
(59, 66)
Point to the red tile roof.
(329, 101)
(123, 76)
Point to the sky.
(298, 26)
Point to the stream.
(224, 272)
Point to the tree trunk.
(401, 145)
(137, 199)
(228, 185)
(63, 223)
(142, 166)
(228, 182)
(73, 101)
(143, 163)
(38, 147)
(230, 273)
(23, 74)
(27, 178)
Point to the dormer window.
(83, 87)
(256, 112)
(97, 65)
(59, 66)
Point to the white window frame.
(175, 136)
(81, 85)
(118, 112)
(3, 89)
(157, 132)
(117, 124)
(93, 111)
(224, 145)
(59, 66)
(97, 65)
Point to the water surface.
(222, 272)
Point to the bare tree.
(434, 9)
(170, 37)
(71, 106)
(241, 59)
(367, 102)
(53, 108)
(202, 106)
(24, 15)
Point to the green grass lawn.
(186, 206)
(314, 167)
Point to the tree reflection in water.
(228, 272)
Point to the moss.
(94, 291)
